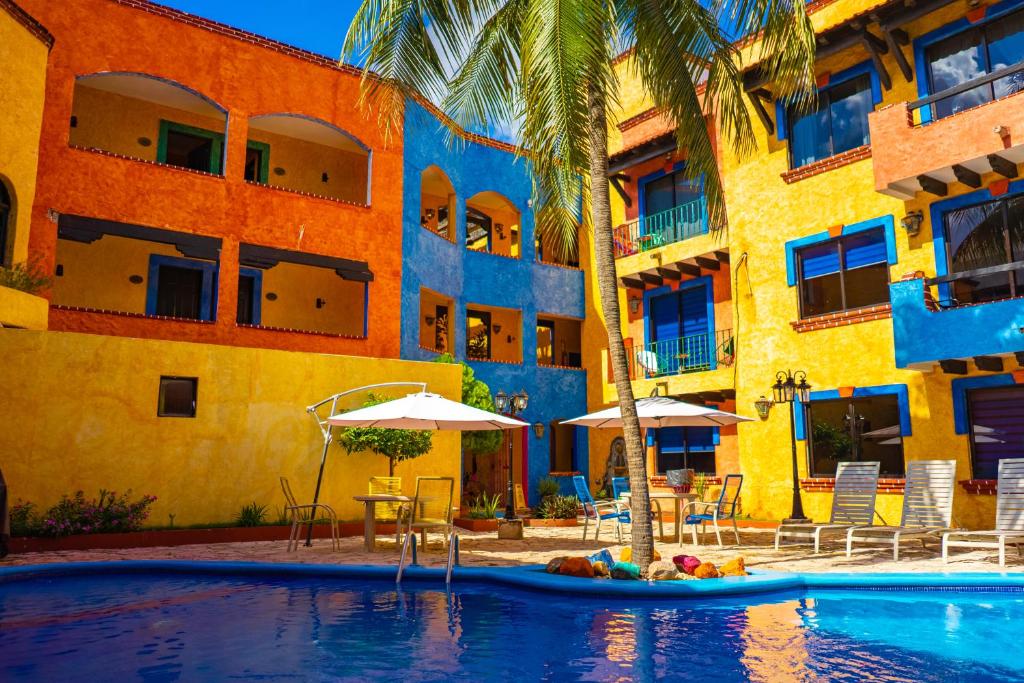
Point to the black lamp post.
(510, 405)
(792, 388)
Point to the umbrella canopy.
(661, 411)
(425, 411)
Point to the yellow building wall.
(304, 163)
(23, 57)
(99, 428)
(23, 310)
(298, 287)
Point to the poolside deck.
(542, 544)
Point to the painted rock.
(554, 564)
(601, 570)
(602, 555)
(577, 566)
(625, 570)
(626, 555)
(662, 571)
(686, 563)
(734, 568)
(706, 570)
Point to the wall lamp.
(634, 304)
(763, 406)
(320, 303)
(912, 223)
(538, 429)
(496, 328)
(429, 320)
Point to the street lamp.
(792, 388)
(510, 405)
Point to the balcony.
(668, 357)
(927, 334)
(666, 227)
(914, 150)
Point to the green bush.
(25, 277)
(24, 519)
(558, 507)
(484, 507)
(548, 487)
(251, 515)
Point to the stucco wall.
(86, 419)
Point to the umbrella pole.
(686, 450)
(316, 493)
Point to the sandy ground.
(540, 545)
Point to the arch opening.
(437, 203)
(493, 224)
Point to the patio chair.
(303, 515)
(431, 510)
(389, 512)
(598, 511)
(721, 510)
(1009, 516)
(853, 504)
(927, 508)
(620, 485)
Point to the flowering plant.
(76, 515)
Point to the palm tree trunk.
(643, 533)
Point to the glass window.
(681, 448)
(668, 192)
(188, 147)
(838, 123)
(179, 292)
(257, 162)
(177, 397)
(478, 335)
(974, 53)
(986, 237)
(997, 428)
(843, 274)
(562, 447)
(858, 429)
(246, 300)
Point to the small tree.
(478, 395)
(395, 444)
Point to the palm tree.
(546, 67)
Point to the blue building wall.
(469, 277)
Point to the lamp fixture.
(912, 222)
(320, 303)
(496, 328)
(324, 177)
(429, 320)
(430, 214)
(634, 304)
(538, 429)
(763, 406)
(792, 388)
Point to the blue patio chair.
(620, 485)
(592, 510)
(723, 509)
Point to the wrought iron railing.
(694, 353)
(665, 227)
(928, 112)
(1014, 287)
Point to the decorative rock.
(602, 555)
(706, 571)
(555, 564)
(626, 555)
(601, 570)
(686, 563)
(662, 571)
(625, 570)
(577, 566)
(734, 568)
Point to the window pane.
(1006, 48)
(867, 286)
(1015, 224)
(189, 151)
(821, 295)
(177, 397)
(246, 287)
(850, 103)
(861, 429)
(685, 190)
(254, 165)
(953, 61)
(179, 292)
(658, 195)
(809, 136)
(977, 239)
(997, 428)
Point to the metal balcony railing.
(1013, 81)
(666, 227)
(695, 353)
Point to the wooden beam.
(630, 282)
(933, 185)
(708, 263)
(688, 269)
(967, 176)
(712, 396)
(894, 39)
(756, 98)
(877, 47)
(1002, 166)
(669, 273)
(989, 363)
(619, 190)
(722, 256)
(652, 279)
(953, 367)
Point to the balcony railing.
(695, 353)
(928, 113)
(666, 227)
(981, 285)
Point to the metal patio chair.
(389, 512)
(304, 515)
(723, 509)
(598, 510)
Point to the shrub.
(251, 515)
(558, 507)
(484, 507)
(25, 277)
(76, 515)
(548, 487)
(24, 519)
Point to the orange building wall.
(247, 79)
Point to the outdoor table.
(370, 520)
(680, 500)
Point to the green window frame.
(263, 172)
(216, 150)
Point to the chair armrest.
(694, 503)
(607, 505)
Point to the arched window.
(492, 224)
(6, 224)
(437, 202)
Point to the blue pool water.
(196, 627)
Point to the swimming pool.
(188, 622)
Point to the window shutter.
(864, 249)
(820, 259)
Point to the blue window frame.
(679, 326)
(181, 288)
(686, 448)
(996, 427)
(250, 294)
(843, 274)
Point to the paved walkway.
(540, 545)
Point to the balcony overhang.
(961, 148)
(88, 230)
(262, 258)
(663, 144)
(675, 271)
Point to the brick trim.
(634, 121)
(886, 485)
(662, 482)
(127, 157)
(492, 360)
(28, 21)
(303, 193)
(127, 314)
(560, 265)
(829, 320)
(559, 367)
(315, 333)
(983, 487)
(827, 164)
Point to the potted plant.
(482, 515)
(556, 511)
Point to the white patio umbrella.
(425, 411)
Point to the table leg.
(369, 526)
(679, 520)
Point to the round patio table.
(679, 500)
(370, 519)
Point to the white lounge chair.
(853, 504)
(1009, 516)
(927, 508)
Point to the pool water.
(185, 627)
